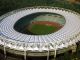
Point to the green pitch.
(22, 25)
(39, 29)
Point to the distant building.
(74, 1)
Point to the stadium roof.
(66, 36)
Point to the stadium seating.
(63, 38)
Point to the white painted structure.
(63, 38)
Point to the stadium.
(39, 32)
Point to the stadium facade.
(51, 44)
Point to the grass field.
(39, 23)
(42, 29)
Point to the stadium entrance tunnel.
(40, 23)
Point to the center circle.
(40, 23)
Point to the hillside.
(9, 5)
